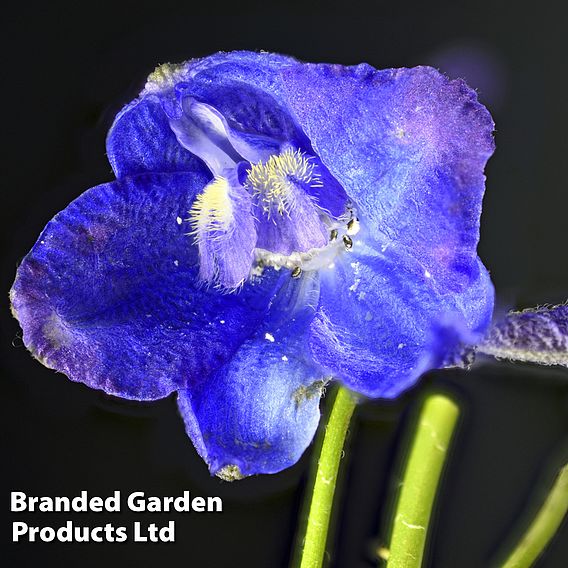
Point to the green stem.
(314, 541)
(425, 463)
(544, 526)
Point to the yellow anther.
(273, 181)
(212, 210)
(164, 76)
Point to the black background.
(68, 68)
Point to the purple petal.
(224, 230)
(110, 294)
(409, 146)
(245, 88)
(258, 413)
(299, 231)
(382, 320)
(202, 131)
(141, 140)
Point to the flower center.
(269, 202)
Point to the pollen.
(212, 210)
(164, 76)
(275, 181)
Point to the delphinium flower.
(273, 225)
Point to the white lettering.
(137, 534)
(181, 504)
(18, 501)
(136, 502)
(112, 504)
(214, 504)
(47, 534)
(18, 529)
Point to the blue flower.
(274, 224)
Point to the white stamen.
(314, 259)
(353, 227)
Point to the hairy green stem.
(544, 525)
(313, 544)
(429, 447)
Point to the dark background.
(68, 68)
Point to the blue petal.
(383, 321)
(141, 140)
(328, 193)
(247, 108)
(260, 411)
(300, 231)
(254, 68)
(245, 88)
(199, 120)
(203, 132)
(109, 294)
(409, 146)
